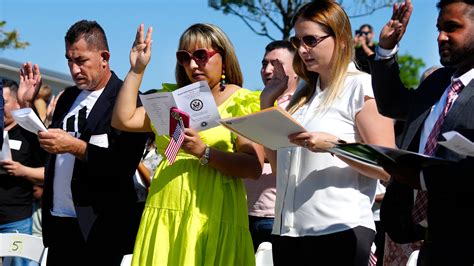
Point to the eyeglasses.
(200, 56)
(365, 33)
(309, 41)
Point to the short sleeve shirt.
(317, 193)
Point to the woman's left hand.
(314, 141)
(193, 143)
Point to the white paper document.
(458, 143)
(5, 153)
(269, 127)
(195, 99)
(28, 120)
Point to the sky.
(43, 23)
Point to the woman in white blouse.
(323, 210)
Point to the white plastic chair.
(126, 260)
(412, 260)
(22, 245)
(263, 256)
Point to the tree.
(260, 15)
(410, 70)
(10, 39)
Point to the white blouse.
(317, 193)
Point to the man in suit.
(443, 102)
(90, 210)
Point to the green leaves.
(410, 69)
(10, 39)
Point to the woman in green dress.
(196, 211)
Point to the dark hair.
(90, 31)
(281, 44)
(12, 85)
(366, 25)
(443, 3)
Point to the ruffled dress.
(194, 214)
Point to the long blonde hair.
(209, 35)
(334, 22)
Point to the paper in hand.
(194, 99)
(28, 120)
(269, 127)
(5, 153)
(457, 143)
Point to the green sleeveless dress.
(194, 214)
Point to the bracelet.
(204, 160)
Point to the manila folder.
(269, 127)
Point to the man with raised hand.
(443, 102)
(90, 210)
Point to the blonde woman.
(323, 207)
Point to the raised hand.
(395, 28)
(30, 83)
(141, 50)
(275, 87)
(50, 109)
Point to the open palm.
(141, 51)
(30, 83)
(393, 31)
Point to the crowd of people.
(103, 189)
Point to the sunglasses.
(309, 41)
(200, 56)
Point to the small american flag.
(175, 144)
(372, 258)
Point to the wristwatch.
(204, 160)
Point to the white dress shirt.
(318, 194)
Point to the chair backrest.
(263, 256)
(413, 259)
(126, 260)
(22, 245)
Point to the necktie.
(421, 203)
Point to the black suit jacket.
(450, 187)
(102, 184)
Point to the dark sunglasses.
(309, 41)
(365, 33)
(200, 56)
